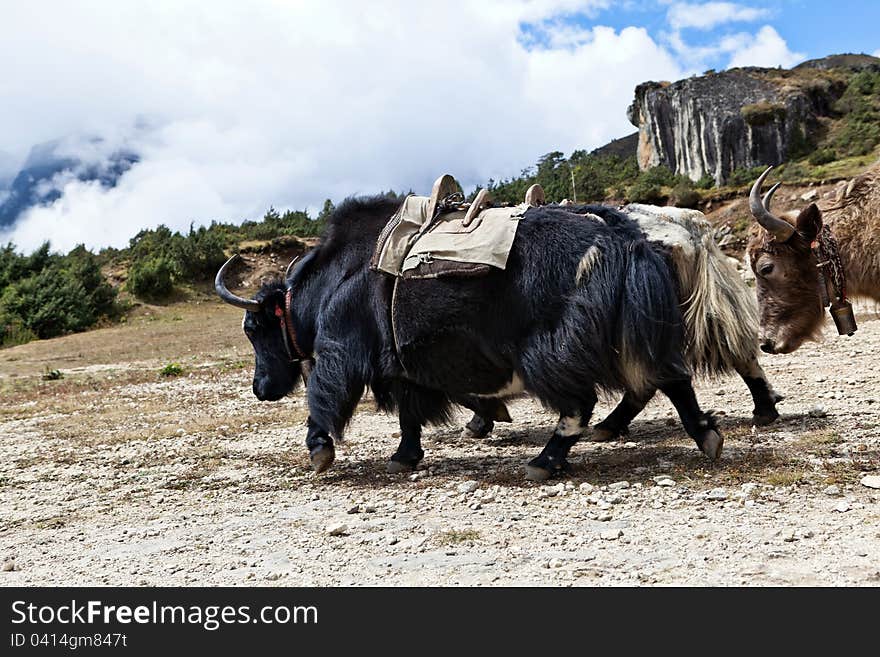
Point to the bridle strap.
(288, 320)
(832, 281)
(831, 272)
(288, 330)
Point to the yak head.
(787, 279)
(279, 362)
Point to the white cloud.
(235, 106)
(766, 48)
(706, 15)
(877, 53)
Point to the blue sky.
(813, 28)
(233, 106)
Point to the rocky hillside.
(712, 125)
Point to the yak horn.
(289, 270)
(768, 197)
(779, 229)
(229, 297)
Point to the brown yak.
(785, 251)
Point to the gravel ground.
(118, 477)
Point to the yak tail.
(651, 321)
(720, 311)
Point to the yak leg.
(762, 392)
(699, 425)
(333, 394)
(617, 422)
(417, 406)
(553, 458)
(487, 411)
(320, 446)
(409, 453)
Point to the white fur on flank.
(720, 311)
(585, 266)
(515, 387)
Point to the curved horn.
(768, 197)
(781, 230)
(298, 265)
(229, 297)
(289, 270)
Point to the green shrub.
(52, 375)
(645, 192)
(822, 156)
(13, 332)
(46, 295)
(660, 176)
(707, 181)
(151, 278)
(171, 369)
(685, 196)
(743, 177)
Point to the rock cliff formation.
(716, 123)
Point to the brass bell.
(842, 312)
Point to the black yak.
(581, 306)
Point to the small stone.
(605, 517)
(8, 566)
(338, 529)
(618, 485)
(871, 481)
(842, 506)
(548, 491)
(369, 509)
(721, 392)
(808, 533)
(586, 487)
(272, 577)
(468, 487)
(811, 195)
(833, 490)
(610, 534)
(717, 494)
(818, 411)
(555, 563)
(820, 379)
(789, 536)
(355, 509)
(666, 482)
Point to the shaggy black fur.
(452, 340)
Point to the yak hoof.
(396, 467)
(763, 419)
(536, 473)
(603, 435)
(322, 458)
(542, 467)
(712, 444)
(469, 434)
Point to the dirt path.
(114, 475)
